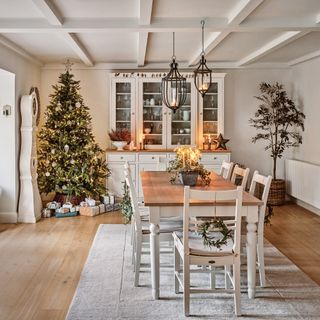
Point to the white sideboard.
(151, 161)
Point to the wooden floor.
(41, 264)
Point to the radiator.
(303, 181)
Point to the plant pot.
(119, 144)
(277, 193)
(189, 178)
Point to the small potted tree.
(278, 121)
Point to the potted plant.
(120, 138)
(278, 121)
(186, 167)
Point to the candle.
(204, 87)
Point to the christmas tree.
(70, 162)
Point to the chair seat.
(196, 246)
(165, 226)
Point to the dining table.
(165, 199)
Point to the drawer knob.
(152, 158)
(215, 158)
(121, 158)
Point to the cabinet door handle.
(200, 113)
(132, 113)
(215, 158)
(121, 158)
(152, 158)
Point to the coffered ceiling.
(138, 33)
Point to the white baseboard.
(8, 217)
(307, 206)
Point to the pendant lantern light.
(173, 87)
(202, 75)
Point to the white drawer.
(121, 156)
(214, 158)
(152, 158)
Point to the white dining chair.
(161, 163)
(189, 247)
(226, 170)
(265, 182)
(242, 173)
(141, 230)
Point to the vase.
(186, 115)
(119, 144)
(189, 178)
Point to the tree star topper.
(220, 142)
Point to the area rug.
(106, 291)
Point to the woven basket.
(277, 193)
(63, 198)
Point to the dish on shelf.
(187, 130)
(147, 130)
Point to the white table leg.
(155, 250)
(251, 252)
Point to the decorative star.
(220, 143)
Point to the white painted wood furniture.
(146, 160)
(163, 198)
(189, 247)
(240, 172)
(29, 210)
(226, 170)
(142, 229)
(266, 182)
(136, 105)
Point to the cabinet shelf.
(181, 121)
(151, 93)
(152, 120)
(128, 121)
(123, 93)
(154, 106)
(211, 108)
(153, 134)
(181, 134)
(123, 108)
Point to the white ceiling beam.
(145, 12)
(142, 48)
(54, 18)
(9, 44)
(237, 15)
(145, 15)
(156, 25)
(78, 48)
(304, 58)
(158, 67)
(49, 11)
(272, 45)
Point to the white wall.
(240, 88)
(26, 75)
(306, 77)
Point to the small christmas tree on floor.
(70, 162)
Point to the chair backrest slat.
(226, 170)
(266, 182)
(240, 172)
(214, 196)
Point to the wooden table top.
(159, 192)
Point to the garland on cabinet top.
(70, 162)
(148, 75)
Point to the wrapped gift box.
(89, 211)
(102, 208)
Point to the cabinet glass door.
(122, 111)
(123, 106)
(181, 127)
(210, 111)
(152, 115)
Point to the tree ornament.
(53, 151)
(72, 161)
(66, 148)
(47, 174)
(220, 143)
(78, 105)
(64, 187)
(54, 164)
